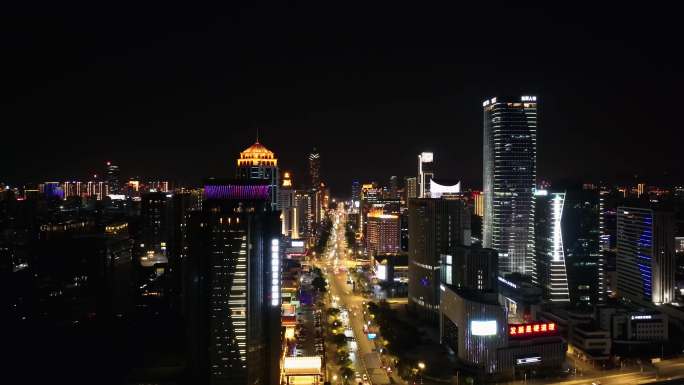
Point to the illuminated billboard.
(532, 329)
(483, 328)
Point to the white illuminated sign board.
(528, 98)
(381, 273)
(426, 157)
(483, 328)
(297, 244)
(637, 317)
(528, 360)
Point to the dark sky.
(176, 91)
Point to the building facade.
(550, 271)
(509, 177)
(232, 277)
(645, 255)
(435, 226)
(383, 233)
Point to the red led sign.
(533, 329)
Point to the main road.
(336, 265)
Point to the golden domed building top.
(257, 155)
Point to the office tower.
(259, 163)
(426, 172)
(113, 178)
(478, 203)
(411, 188)
(382, 235)
(582, 242)
(510, 161)
(154, 223)
(550, 271)
(356, 192)
(645, 255)
(315, 168)
(288, 209)
(394, 186)
(470, 268)
(234, 285)
(435, 226)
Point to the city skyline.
(342, 194)
(416, 96)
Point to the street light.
(421, 365)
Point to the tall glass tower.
(509, 176)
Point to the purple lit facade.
(232, 191)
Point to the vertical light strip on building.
(275, 272)
(558, 274)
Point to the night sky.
(176, 92)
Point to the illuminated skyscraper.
(233, 285)
(426, 172)
(259, 163)
(287, 206)
(550, 271)
(509, 175)
(113, 183)
(315, 168)
(382, 235)
(645, 255)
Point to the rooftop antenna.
(257, 135)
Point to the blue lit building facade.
(645, 255)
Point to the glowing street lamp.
(421, 365)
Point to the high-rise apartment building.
(257, 162)
(435, 227)
(233, 285)
(509, 175)
(645, 255)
